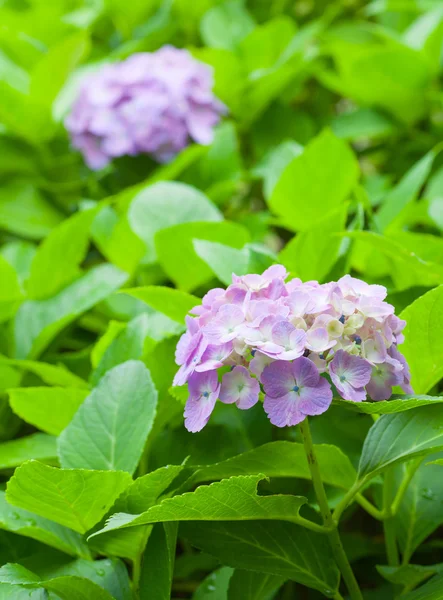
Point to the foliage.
(328, 162)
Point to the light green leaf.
(66, 496)
(208, 503)
(178, 258)
(226, 25)
(37, 322)
(257, 547)
(275, 162)
(223, 260)
(10, 291)
(164, 204)
(423, 346)
(158, 563)
(282, 459)
(173, 303)
(312, 253)
(48, 409)
(214, 586)
(109, 430)
(60, 254)
(19, 255)
(24, 212)
(315, 183)
(15, 592)
(17, 575)
(400, 437)
(246, 585)
(35, 446)
(76, 588)
(362, 123)
(51, 374)
(43, 530)
(386, 407)
(409, 575)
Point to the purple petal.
(278, 379)
(305, 372)
(239, 387)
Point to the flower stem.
(334, 536)
(388, 523)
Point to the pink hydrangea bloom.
(152, 102)
(296, 341)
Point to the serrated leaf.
(258, 546)
(66, 496)
(173, 303)
(399, 437)
(28, 524)
(50, 374)
(110, 428)
(386, 407)
(35, 446)
(47, 408)
(37, 322)
(208, 503)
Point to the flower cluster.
(149, 103)
(295, 340)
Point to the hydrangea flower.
(152, 103)
(293, 341)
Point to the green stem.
(388, 523)
(136, 572)
(347, 499)
(334, 536)
(369, 507)
(410, 472)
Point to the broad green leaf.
(19, 255)
(282, 459)
(66, 496)
(275, 162)
(386, 407)
(15, 592)
(10, 291)
(109, 430)
(57, 375)
(37, 322)
(405, 191)
(164, 204)
(173, 303)
(362, 123)
(35, 446)
(399, 437)
(429, 591)
(48, 409)
(178, 258)
(17, 575)
(24, 211)
(158, 562)
(409, 575)
(223, 260)
(43, 530)
(423, 346)
(60, 254)
(419, 513)
(315, 183)
(76, 588)
(276, 548)
(51, 72)
(312, 253)
(208, 503)
(214, 586)
(246, 585)
(226, 25)
(262, 48)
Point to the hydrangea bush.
(296, 341)
(152, 102)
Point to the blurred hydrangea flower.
(150, 103)
(294, 341)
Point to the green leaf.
(17, 574)
(223, 260)
(315, 183)
(110, 429)
(76, 588)
(35, 446)
(423, 346)
(177, 255)
(400, 437)
(405, 191)
(37, 322)
(24, 212)
(386, 407)
(409, 575)
(282, 459)
(158, 563)
(10, 292)
(165, 204)
(173, 303)
(272, 165)
(60, 254)
(15, 592)
(48, 409)
(362, 123)
(429, 591)
(214, 586)
(312, 253)
(419, 513)
(208, 503)
(57, 375)
(276, 548)
(66, 496)
(246, 585)
(226, 25)
(19, 255)
(43, 530)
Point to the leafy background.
(329, 162)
